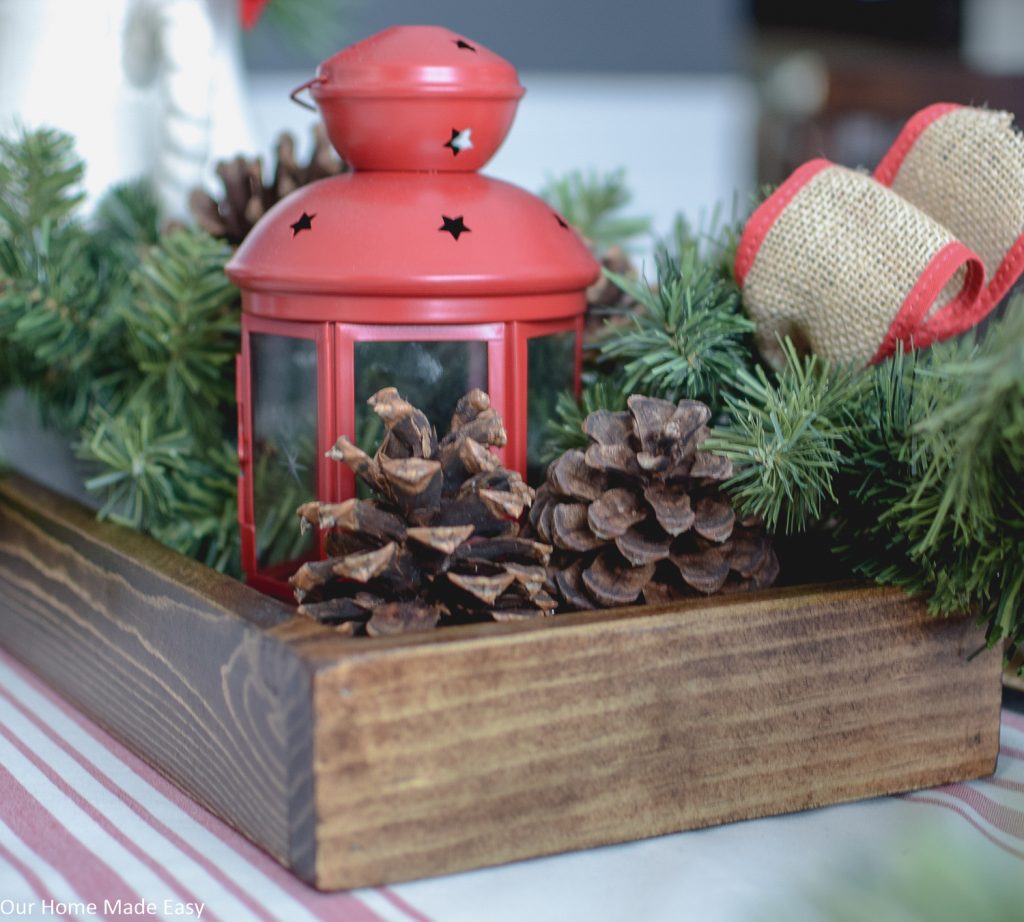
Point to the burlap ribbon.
(849, 264)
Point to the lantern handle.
(294, 95)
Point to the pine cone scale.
(644, 544)
(614, 512)
(611, 581)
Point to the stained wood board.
(364, 761)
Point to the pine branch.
(59, 285)
(688, 336)
(139, 460)
(129, 215)
(183, 327)
(592, 203)
(980, 435)
(205, 522)
(164, 481)
(40, 175)
(788, 437)
(126, 349)
(58, 317)
(882, 462)
(948, 507)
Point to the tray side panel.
(445, 757)
(153, 647)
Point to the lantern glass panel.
(284, 437)
(430, 375)
(550, 369)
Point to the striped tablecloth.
(82, 821)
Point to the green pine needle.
(60, 286)
(592, 203)
(787, 437)
(126, 341)
(139, 462)
(40, 175)
(164, 481)
(943, 510)
(183, 326)
(129, 214)
(687, 338)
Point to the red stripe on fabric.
(91, 878)
(890, 164)
(1009, 271)
(142, 811)
(1005, 819)
(1012, 751)
(767, 213)
(31, 878)
(1012, 719)
(961, 812)
(395, 900)
(105, 823)
(1006, 784)
(330, 907)
(910, 327)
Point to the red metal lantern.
(412, 271)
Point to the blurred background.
(699, 102)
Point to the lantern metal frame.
(378, 255)
(507, 381)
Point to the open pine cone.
(641, 513)
(441, 540)
(606, 302)
(247, 197)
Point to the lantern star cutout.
(454, 226)
(462, 43)
(460, 140)
(304, 223)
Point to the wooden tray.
(359, 761)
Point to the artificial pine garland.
(919, 462)
(687, 338)
(124, 337)
(786, 432)
(913, 468)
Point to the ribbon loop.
(853, 264)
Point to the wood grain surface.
(361, 761)
(489, 749)
(181, 664)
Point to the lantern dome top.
(450, 240)
(414, 61)
(416, 98)
(414, 234)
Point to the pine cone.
(441, 542)
(247, 198)
(606, 302)
(641, 512)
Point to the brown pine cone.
(606, 302)
(440, 543)
(641, 513)
(247, 197)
